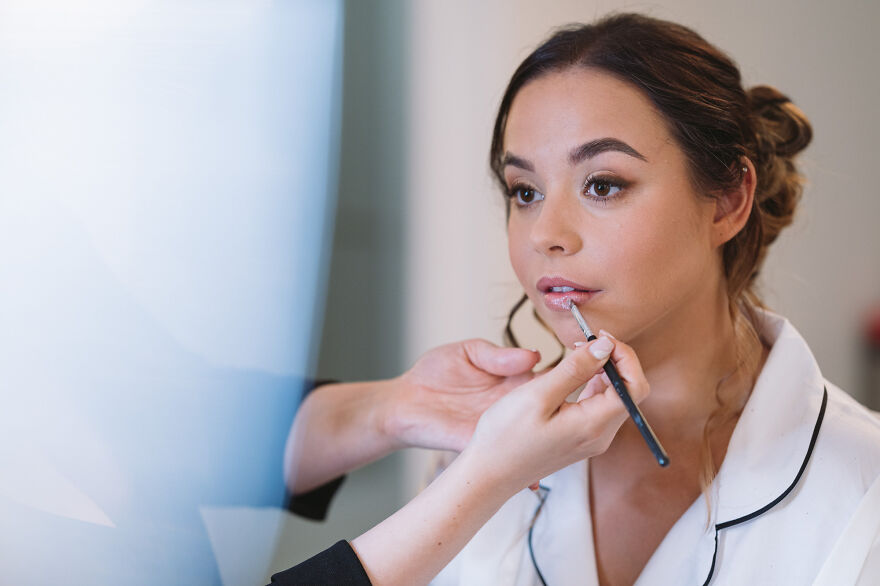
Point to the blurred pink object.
(872, 327)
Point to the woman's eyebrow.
(515, 161)
(588, 150)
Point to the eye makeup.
(619, 386)
(603, 188)
(522, 194)
(600, 188)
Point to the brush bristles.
(580, 319)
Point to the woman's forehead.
(559, 111)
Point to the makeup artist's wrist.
(337, 429)
(389, 421)
(357, 412)
(485, 475)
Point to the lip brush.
(620, 387)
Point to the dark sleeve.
(314, 504)
(337, 565)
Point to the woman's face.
(601, 202)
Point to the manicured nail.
(605, 333)
(535, 350)
(579, 344)
(601, 348)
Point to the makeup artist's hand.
(533, 431)
(436, 404)
(525, 435)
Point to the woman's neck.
(689, 358)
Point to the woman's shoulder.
(850, 462)
(847, 444)
(849, 439)
(852, 421)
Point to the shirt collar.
(563, 532)
(764, 456)
(774, 430)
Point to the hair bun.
(781, 132)
(782, 128)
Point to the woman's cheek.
(516, 252)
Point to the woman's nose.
(556, 228)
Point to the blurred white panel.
(244, 541)
(167, 179)
(165, 131)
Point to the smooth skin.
(636, 229)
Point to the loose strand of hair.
(747, 347)
(510, 338)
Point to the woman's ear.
(733, 207)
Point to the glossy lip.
(558, 301)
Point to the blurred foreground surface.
(167, 175)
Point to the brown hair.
(697, 89)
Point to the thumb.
(500, 361)
(575, 369)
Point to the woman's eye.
(600, 188)
(524, 196)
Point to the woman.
(645, 185)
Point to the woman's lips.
(557, 292)
(558, 301)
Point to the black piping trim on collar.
(778, 499)
(542, 494)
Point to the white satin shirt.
(796, 501)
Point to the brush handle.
(635, 412)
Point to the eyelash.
(517, 188)
(612, 182)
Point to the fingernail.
(605, 333)
(535, 350)
(601, 348)
(579, 344)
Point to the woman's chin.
(570, 334)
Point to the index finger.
(629, 368)
(578, 367)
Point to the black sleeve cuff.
(338, 564)
(314, 504)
